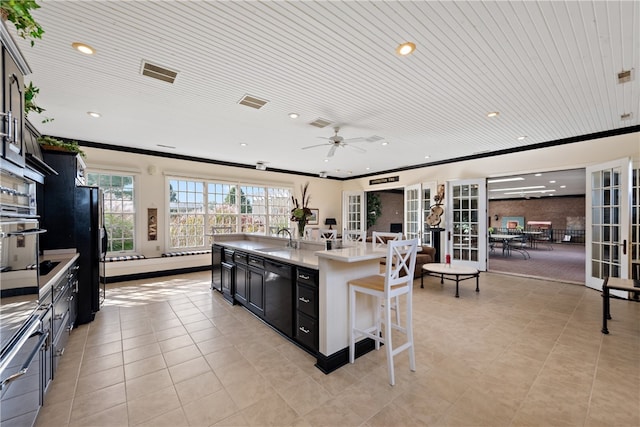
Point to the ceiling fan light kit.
(338, 141)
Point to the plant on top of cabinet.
(19, 12)
(30, 93)
(55, 144)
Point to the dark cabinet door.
(241, 291)
(227, 281)
(12, 109)
(256, 291)
(216, 268)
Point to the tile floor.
(522, 352)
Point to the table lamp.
(330, 222)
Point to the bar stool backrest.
(401, 264)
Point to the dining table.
(505, 239)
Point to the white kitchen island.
(336, 268)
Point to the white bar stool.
(397, 280)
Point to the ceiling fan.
(337, 141)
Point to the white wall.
(151, 188)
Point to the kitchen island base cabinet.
(227, 280)
(306, 332)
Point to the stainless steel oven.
(21, 367)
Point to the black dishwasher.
(278, 289)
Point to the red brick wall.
(557, 210)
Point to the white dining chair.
(310, 233)
(379, 237)
(353, 236)
(397, 281)
(326, 233)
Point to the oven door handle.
(24, 232)
(27, 363)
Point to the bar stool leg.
(388, 344)
(352, 325)
(412, 355)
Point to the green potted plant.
(55, 144)
(30, 93)
(19, 13)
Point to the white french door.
(607, 222)
(466, 225)
(412, 211)
(418, 199)
(354, 211)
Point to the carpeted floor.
(564, 263)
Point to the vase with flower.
(301, 212)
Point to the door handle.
(624, 247)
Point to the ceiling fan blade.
(332, 150)
(314, 146)
(356, 148)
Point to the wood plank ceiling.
(548, 67)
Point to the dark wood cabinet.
(241, 277)
(227, 276)
(217, 256)
(12, 109)
(255, 281)
(306, 330)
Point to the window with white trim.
(229, 208)
(119, 209)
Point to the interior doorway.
(548, 210)
(385, 211)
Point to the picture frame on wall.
(313, 219)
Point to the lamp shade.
(330, 222)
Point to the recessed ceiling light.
(84, 48)
(493, 181)
(368, 168)
(243, 144)
(518, 188)
(405, 49)
(563, 186)
(552, 182)
(427, 157)
(538, 174)
(493, 114)
(94, 114)
(520, 138)
(385, 143)
(294, 115)
(326, 160)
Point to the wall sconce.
(330, 222)
(496, 217)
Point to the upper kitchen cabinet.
(14, 68)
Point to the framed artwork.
(313, 219)
(152, 224)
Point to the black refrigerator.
(72, 215)
(89, 241)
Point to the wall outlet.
(158, 248)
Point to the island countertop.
(278, 252)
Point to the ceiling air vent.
(624, 76)
(252, 101)
(320, 123)
(159, 73)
